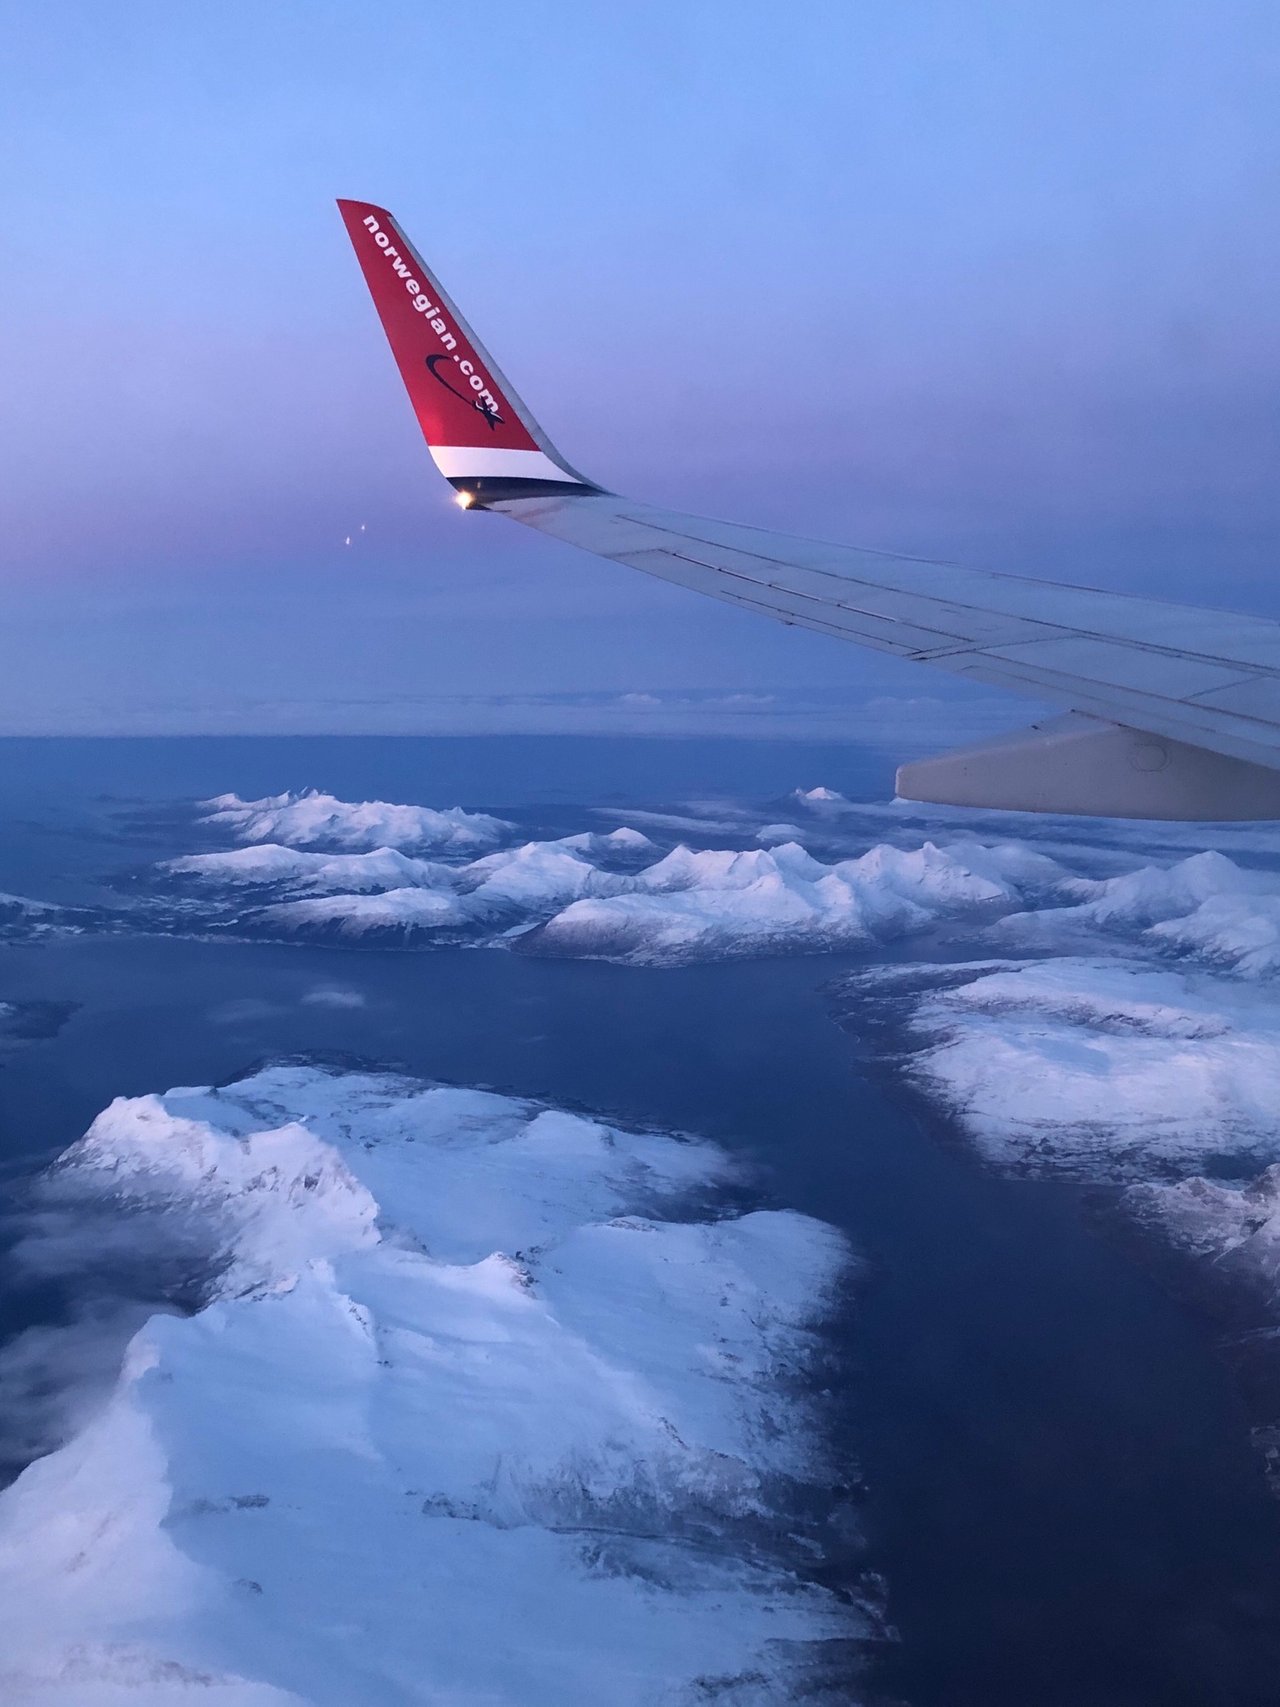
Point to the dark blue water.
(1060, 1491)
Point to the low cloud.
(334, 996)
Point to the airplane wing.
(1172, 711)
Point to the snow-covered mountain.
(315, 819)
(463, 1416)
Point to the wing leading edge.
(1176, 709)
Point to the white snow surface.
(313, 819)
(822, 802)
(463, 1419)
(585, 895)
(714, 903)
(593, 894)
(513, 887)
(1230, 930)
(1152, 893)
(1141, 1045)
(1206, 905)
(271, 863)
(622, 841)
(1102, 1068)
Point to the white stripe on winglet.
(476, 462)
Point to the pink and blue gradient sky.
(983, 280)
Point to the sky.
(971, 278)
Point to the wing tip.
(481, 436)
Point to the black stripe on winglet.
(494, 489)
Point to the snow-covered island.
(1122, 1027)
(1131, 1038)
(483, 1401)
(612, 896)
(1089, 1068)
(1107, 1015)
(313, 819)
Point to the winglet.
(480, 435)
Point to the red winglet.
(479, 433)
